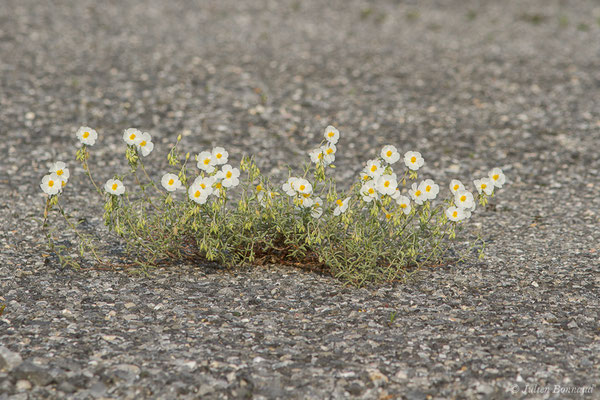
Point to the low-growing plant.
(384, 227)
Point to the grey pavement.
(470, 84)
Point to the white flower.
(464, 199)
(114, 186)
(170, 182)
(218, 176)
(430, 189)
(455, 213)
(369, 191)
(305, 201)
(51, 184)
(456, 185)
(206, 161)
(317, 208)
(470, 210)
(60, 169)
(87, 135)
(364, 176)
(263, 196)
(413, 160)
(497, 176)
(230, 176)
(131, 136)
(373, 168)
(328, 153)
(205, 184)
(316, 155)
(341, 206)
(331, 134)
(260, 196)
(390, 154)
(217, 185)
(145, 145)
(484, 185)
(288, 187)
(220, 155)
(404, 204)
(197, 194)
(417, 194)
(387, 184)
(302, 186)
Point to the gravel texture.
(470, 84)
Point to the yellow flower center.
(85, 135)
(455, 214)
(388, 216)
(317, 204)
(331, 134)
(389, 153)
(206, 161)
(418, 193)
(413, 159)
(171, 181)
(59, 172)
(495, 177)
(64, 183)
(132, 136)
(483, 185)
(403, 205)
(320, 156)
(306, 195)
(366, 177)
(197, 194)
(219, 155)
(463, 198)
(456, 187)
(143, 143)
(302, 187)
(428, 188)
(203, 185)
(218, 185)
(114, 186)
(371, 191)
(50, 183)
(229, 174)
(386, 184)
(374, 168)
(329, 151)
(339, 202)
(258, 188)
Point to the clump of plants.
(388, 224)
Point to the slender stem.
(45, 224)
(139, 236)
(437, 244)
(46, 209)
(86, 168)
(144, 191)
(150, 179)
(79, 235)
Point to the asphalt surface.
(471, 85)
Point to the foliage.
(384, 227)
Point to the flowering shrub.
(386, 225)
